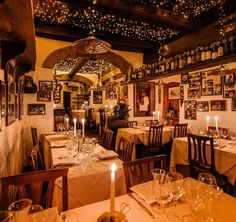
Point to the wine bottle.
(156, 69)
(208, 53)
(198, 55)
(180, 61)
(189, 59)
(176, 62)
(203, 54)
(147, 71)
(172, 64)
(227, 50)
(220, 50)
(214, 51)
(193, 57)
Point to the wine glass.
(176, 183)
(225, 133)
(36, 213)
(20, 209)
(5, 216)
(207, 178)
(232, 134)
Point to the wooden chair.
(180, 130)
(131, 124)
(155, 139)
(125, 149)
(139, 171)
(29, 185)
(106, 139)
(37, 159)
(102, 119)
(34, 135)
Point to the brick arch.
(76, 78)
(65, 52)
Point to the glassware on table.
(6, 216)
(225, 133)
(232, 134)
(207, 178)
(20, 209)
(36, 213)
(176, 185)
(216, 134)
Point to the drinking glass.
(232, 134)
(36, 213)
(207, 178)
(20, 209)
(216, 134)
(176, 185)
(225, 133)
(6, 216)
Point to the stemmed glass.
(176, 185)
(36, 213)
(5, 216)
(225, 133)
(232, 134)
(207, 178)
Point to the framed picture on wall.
(194, 79)
(107, 89)
(21, 98)
(194, 93)
(144, 99)
(184, 78)
(190, 109)
(229, 84)
(97, 97)
(46, 85)
(3, 98)
(233, 104)
(211, 83)
(44, 96)
(202, 106)
(174, 92)
(36, 109)
(218, 105)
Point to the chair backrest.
(34, 135)
(107, 139)
(139, 171)
(201, 155)
(102, 117)
(151, 122)
(37, 159)
(29, 185)
(125, 149)
(131, 124)
(180, 130)
(155, 136)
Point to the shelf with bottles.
(205, 56)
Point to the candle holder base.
(106, 217)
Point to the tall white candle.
(216, 122)
(67, 123)
(208, 121)
(75, 120)
(106, 108)
(111, 107)
(83, 131)
(113, 178)
(153, 115)
(158, 116)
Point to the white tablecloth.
(139, 136)
(225, 157)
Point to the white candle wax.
(208, 121)
(106, 108)
(67, 123)
(83, 130)
(113, 179)
(75, 120)
(216, 122)
(158, 116)
(153, 114)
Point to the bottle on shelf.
(176, 62)
(189, 58)
(227, 49)
(203, 54)
(163, 65)
(208, 53)
(198, 55)
(172, 64)
(214, 51)
(233, 43)
(153, 69)
(220, 50)
(167, 65)
(193, 57)
(180, 61)
(156, 69)
(184, 60)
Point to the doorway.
(67, 102)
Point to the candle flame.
(153, 113)
(75, 120)
(216, 117)
(83, 120)
(113, 167)
(208, 117)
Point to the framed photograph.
(229, 86)
(107, 89)
(174, 92)
(194, 79)
(29, 85)
(21, 98)
(17, 108)
(194, 93)
(144, 99)
(36, 109)
(190, 109)
(211, 83)
(184, 78)
(3, 98)
(45, 85)
(233, 104)
(97, 97)
(125, 92)
(202, 106)
(218, 105)
(44, 96)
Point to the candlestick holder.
(118, 217)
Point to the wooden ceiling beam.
(78, 65)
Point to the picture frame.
(97, 97)
(174, 93)
(44, 96)
(218, 105)
(144, 99)
(36, 109)
(211, 83)
(233, 104)
(29, 85)
(3, 98)
(194, 93)
(17, 108)
(45, 85)
(229, 84)
(107, 89)
(203, 106)
(194, 79)
(21, 98)
(125, 91)
(184, 78)
(190, 109)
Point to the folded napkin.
(59, 143)
(106, 154)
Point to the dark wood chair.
(155, 139)
(90, 122)
(125, 149)
(102, 119)
(201, 157)
(180, 130)
(106, 139)
(30, 185)
(34, 135)
(131, 124)
(139, 171)
(37, 159)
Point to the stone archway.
(76, 78)
(66, 52)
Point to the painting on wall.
(21, 98)
(218, 105)
(97, 97)
(211, 83)
(194, 79)
(190, 109)
(184, 78)
(46, 85)
(233, 104)
(3, 98)
(174, 92)
(44, 96)
(194, 93)
(144, 99)
(108, 86)
(36, 109)
(229, 86)
(202, 106)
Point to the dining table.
(135, 208)
(139, 135)
(225, 156)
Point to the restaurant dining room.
(117, 111)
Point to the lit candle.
(106, 108)
(83, 131)
(111, 107)
(208, 121)
(158, 116)
(216, 121)
(67, 123)
(113, 178)
(153, 114)
(75, 120)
